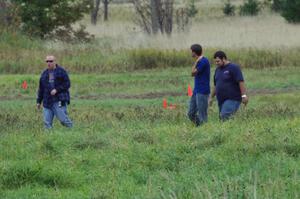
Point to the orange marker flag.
(172, 106)
(24, 85)
(165, 104)
(190, 92)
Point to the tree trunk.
(154, 16)
(168, 25)
(94, 13)
(105, 2)
(144, 19)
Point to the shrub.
(229, 9)
(192, 10)
(291, 11)
(9, 18)
(277, 5)
(250, 8)
(42, 18)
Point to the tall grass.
(124, 145)
(134, 148)
(22, 55)
(120, 45)
(210, 27)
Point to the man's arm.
(212, 96)
(198, 67)
(194, 71)
(40, 94)
(213, 92)
(245, 98)
(65, 84)
(238, 76)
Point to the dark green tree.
(277, 5)
(291, 11)
(229, 9)
(250, 8)
(43, 17)
(192, 10)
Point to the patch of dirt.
(153, 95)
(150, 95)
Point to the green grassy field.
(169, 80)
(125, 145)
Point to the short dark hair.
(220, 54)
(196, 48)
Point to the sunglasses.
(49, 61)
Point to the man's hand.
(194, 71)
(38, 106)
(53, 92)
(245, 99)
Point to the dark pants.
(228, 108)
(198, 108)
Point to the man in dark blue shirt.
(54, 93)
(229, 86)
(197, 112)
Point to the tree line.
(53, 18)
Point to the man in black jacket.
(54, 93)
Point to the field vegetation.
(123, 143)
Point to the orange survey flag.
(24, 85)
(189, 92)
(165, 104)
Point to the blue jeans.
(228, 108)
(198, 108)
(60, 112)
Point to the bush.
(42, 18)
(277, 5)
(69, 35)
(192, 10)
(250, 8)
(291, 11)
(229, 9)
(9, 18)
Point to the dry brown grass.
(210, 28)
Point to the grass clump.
(14, 176)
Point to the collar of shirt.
(199, 58)
(225, 65)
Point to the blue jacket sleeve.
(64, 84)
(40, 92)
